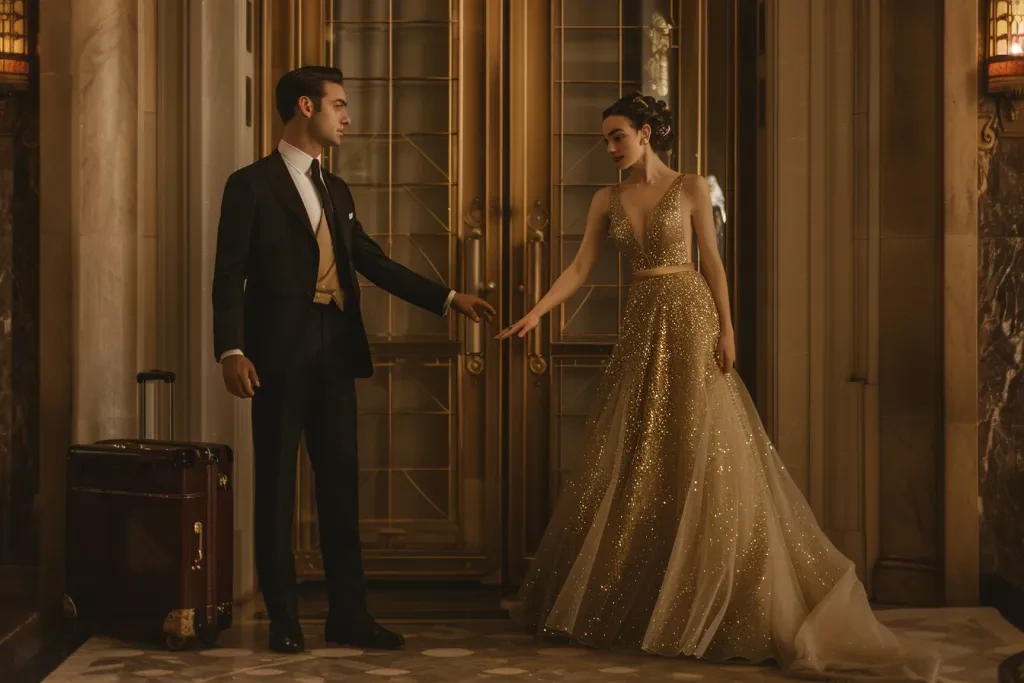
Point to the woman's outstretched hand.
(525, 324)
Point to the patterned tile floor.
(974, 641)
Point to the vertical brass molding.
(274, 48)
(701, 87)
(476, 54)
(311, 21)
(962, 157)
(295, 24)
(531, 174)
(767, 243)
(288, 34)
(732, 200)
(517, 274)
(261, 77)
(474, 365)
(870, 15)
(494, 264)
(690, 86)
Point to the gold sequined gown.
(681, 533)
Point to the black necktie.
(325, 199)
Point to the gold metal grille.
(602, 49)
(400, 158)
(15, 46)
(400, 155)
(1006, 28)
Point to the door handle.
(536, 221)
(474, 276)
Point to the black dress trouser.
(312, 392)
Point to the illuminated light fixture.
(1004, 61)
(15, 45)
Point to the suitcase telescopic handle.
(154, 376)
(144, 378)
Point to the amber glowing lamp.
(15, 46)
(1004, 61)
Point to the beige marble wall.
(97, 177)
(219, 143)
(856, 310)
(143, 117)
(910, 306)
(814, 339)
(104, 219)
(960, 299)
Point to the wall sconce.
(1004, 61)
(15, 44)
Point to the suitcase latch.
(197, 563)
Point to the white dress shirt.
(299, 165)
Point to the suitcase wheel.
(180, 629)
(208, 634)
(179, 639)
(176, 643)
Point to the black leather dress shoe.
(286, 640)
(363, 633)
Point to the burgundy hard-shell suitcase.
(150, 534)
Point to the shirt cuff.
(231, 352)
(448, 302)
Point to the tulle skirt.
(682, 533)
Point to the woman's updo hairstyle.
(643, 109)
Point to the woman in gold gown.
(682, 533)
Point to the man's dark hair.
(306, 81)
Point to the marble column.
(220, 140)
(104, 237)
(8, 116)
(1000, 364)
(19, 309)
(960, 315)
(55, 290)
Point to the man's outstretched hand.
(473, 307)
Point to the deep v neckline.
(642, 243)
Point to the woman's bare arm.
(710, 261)
(573, 277)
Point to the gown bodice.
(664, 236)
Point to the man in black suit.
(286, 303)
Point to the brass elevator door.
(473, 154)
(419, 78)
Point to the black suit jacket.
(266, 267)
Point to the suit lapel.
(342, 209)
(286, 191)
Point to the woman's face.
(623, 141)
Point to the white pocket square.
(350, 216)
